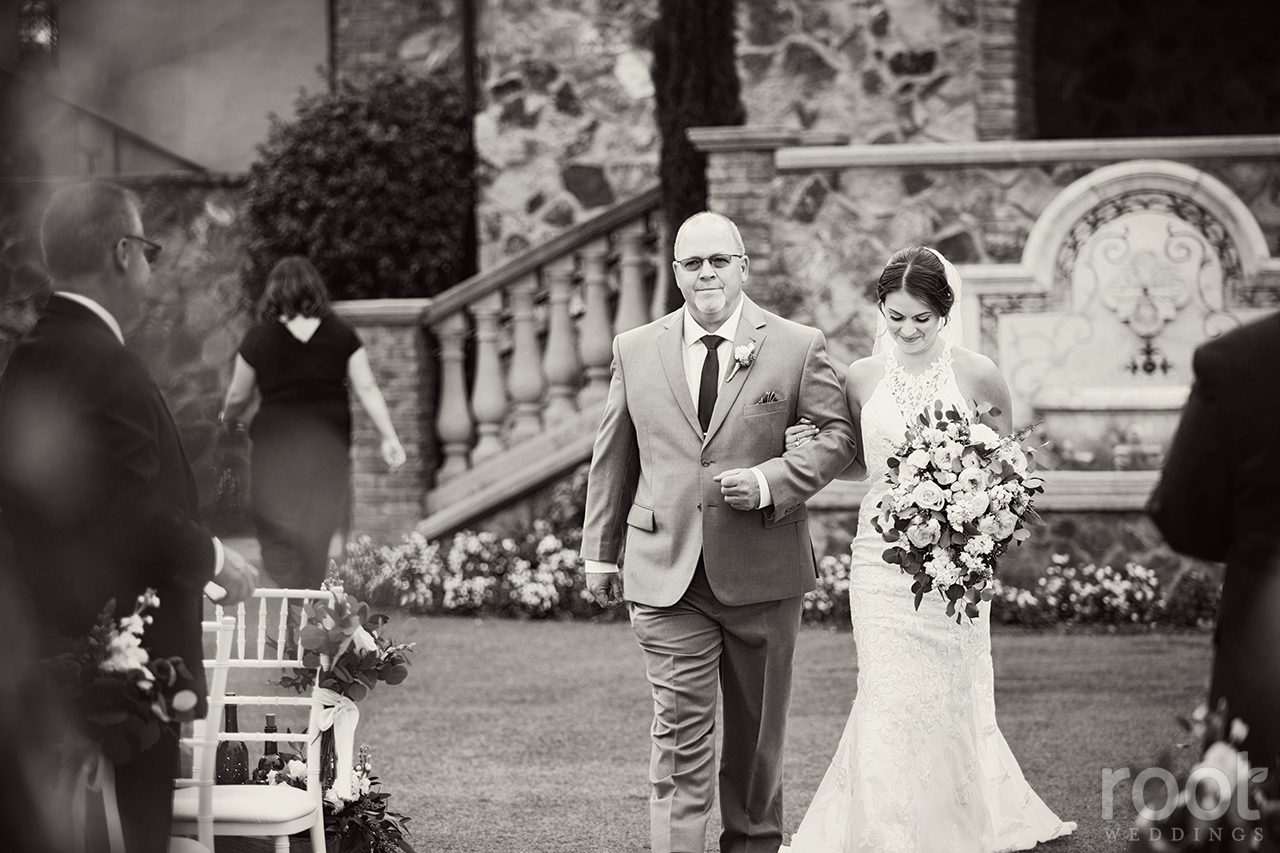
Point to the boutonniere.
(743, 356)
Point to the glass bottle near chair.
(232, 766)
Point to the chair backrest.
(269, 611)
(204, 739)
(268, 620)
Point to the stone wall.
(565, 115)
(819, 238)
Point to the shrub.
(1193, 599)
(372, 182)
(829, 603)
(1091, 594)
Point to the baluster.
(262, 629)
(489, 396)
(661, 270)
(282, 629)
(453, 423)
(524, 379)
(633, 307)
(560, 362)
(596, 335)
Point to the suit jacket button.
(706, 463)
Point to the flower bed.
(538, 576)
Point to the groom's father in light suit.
(688, 475)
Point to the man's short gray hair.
(733, 230)
(82, 224)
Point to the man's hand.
(605, 588)
(238, 577)
(740, 488)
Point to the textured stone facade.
(819, 238)
(565, 115)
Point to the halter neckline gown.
(922, 766)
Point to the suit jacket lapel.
(671, 350)
(751, 329)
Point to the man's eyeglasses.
(150, 248)
(718, 262)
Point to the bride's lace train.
(922, 766)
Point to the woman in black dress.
(301, 359)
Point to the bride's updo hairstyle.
(918, 271)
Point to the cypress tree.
(695, 78)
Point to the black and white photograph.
(640, 426)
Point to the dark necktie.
(710, 382)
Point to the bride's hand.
(799, 433)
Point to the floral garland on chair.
(345, 654)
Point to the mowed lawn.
(533, 736)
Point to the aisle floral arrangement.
(959, 496)
(360, 823)
(345, 643)
(122, 698)
(1223, 805)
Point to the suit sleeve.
(801, 473)
(129, 466)
(1191, 504)
(615, 471)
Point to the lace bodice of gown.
(897, 397)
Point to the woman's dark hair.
(294, 288)
(920, 273)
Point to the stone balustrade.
(525, 348)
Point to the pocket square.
(769, 397)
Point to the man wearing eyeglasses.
(96, 494)
(689, 475)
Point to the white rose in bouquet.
(980, 433)
(972, 479)
(918, 458)
(926, 533)
(1006, 523)
(928, 495)
(945, 455)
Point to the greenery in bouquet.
(120, 696)
(1224, 805)
(361, 823)
(959, 495)
(345, 646)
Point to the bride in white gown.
(922, 766)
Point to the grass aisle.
(530, 736)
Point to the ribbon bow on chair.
(86, 771)
(342, 715)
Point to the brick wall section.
(387, 505)
(740, 185)
(1005, 106)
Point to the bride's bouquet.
(959, 495)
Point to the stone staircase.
(540, 331)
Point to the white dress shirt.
(105, 315)
(694, 355)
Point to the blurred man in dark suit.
(1219, 499)
(95, 489)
